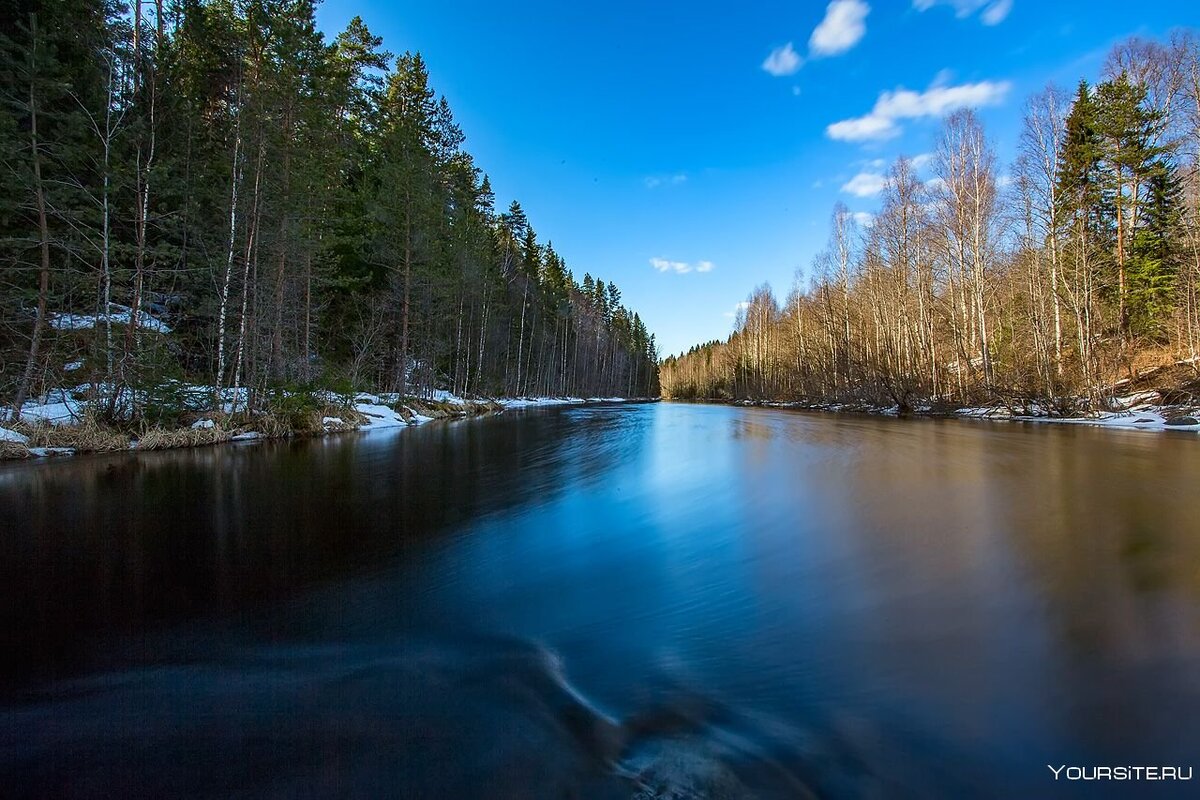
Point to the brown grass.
(308, 422)
(347, 415)
(167, 438)
(432, 408)
(89, 436)
(12, 451)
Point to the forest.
(1056, 282)
(208, 192)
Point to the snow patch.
(12, 436)
(65, 412)
(43, 452)
(203, 424)
(1146, 418)
(444, 396)
(118, 314)
(378, 415)
(985, 412)
(1130, 401)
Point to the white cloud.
(841, 29)
(993, 11)
(865, 184)
(861, 129)
(663, 265)
(681, 267)
(655, 181)
(795, 91)
(783, 61)
(737, 308)
(921, 160)
(863, 218)
(900, 104)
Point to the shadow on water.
(664, 601)
(115, 543)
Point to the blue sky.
(691, 151)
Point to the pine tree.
(1155, 257)
(405, 199)
(1126, 130)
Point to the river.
(612, 601)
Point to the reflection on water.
(616, 601)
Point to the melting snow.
(377, 414)
(1143, 419)
(66, 412)
(118, 314)
(51, 451)
(12, 436)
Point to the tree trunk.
(39, 197)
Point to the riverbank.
(1143, 411)
(63, 424)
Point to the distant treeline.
(1057, 281)
(293, 211)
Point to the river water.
(622, 601)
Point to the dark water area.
(641, 601)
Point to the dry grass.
(12, 451)
(438, 410)
(350, 418)
(298, 422)
(88, 436)
(1149, 359)
(167, 438)
(273, 426)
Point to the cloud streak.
(905, 104)
(681, 267)
(655, 181)
(991, 12)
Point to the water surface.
(662, 600)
